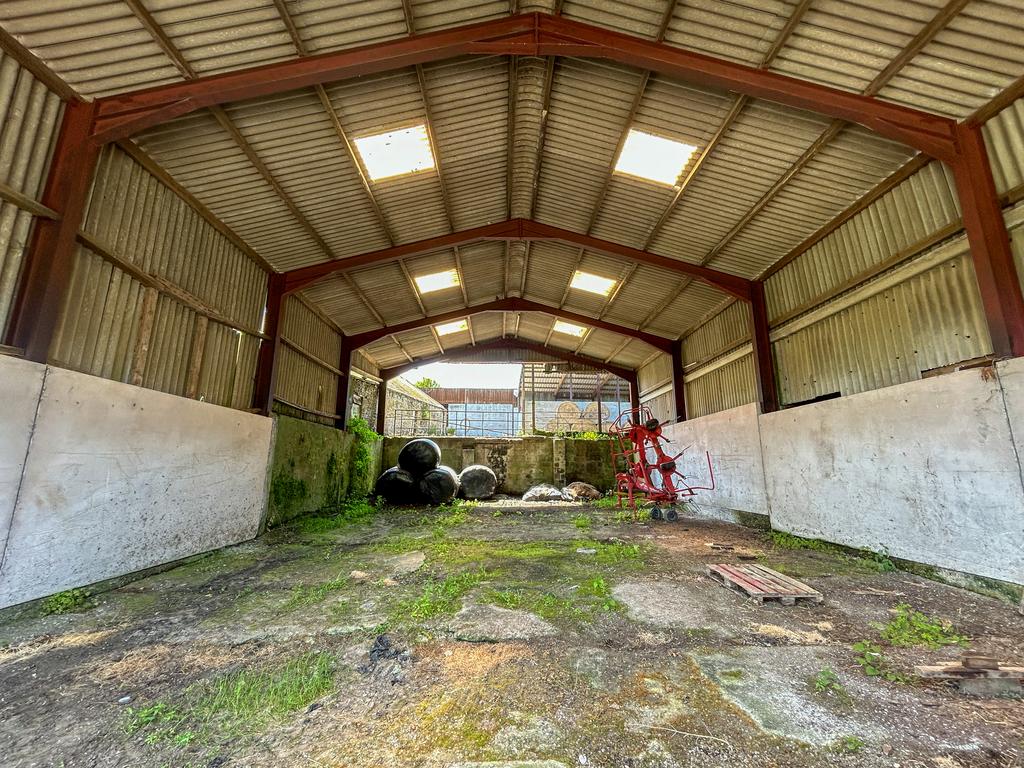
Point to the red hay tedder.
(651, 475)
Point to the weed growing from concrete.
(875, 663)
(872, 561)
(69, 601)
(851, 745)
(315, 593)
(238, 702)
(583, 522)
(827, 682)
(617, 553)
(350, 511)
(441, 597)
(910, 628)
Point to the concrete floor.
(515, 636)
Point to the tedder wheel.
(655, 513)
(671, 515)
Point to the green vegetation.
(827, 682)
(583, 522)
(349, 511)
(361, 462)
(440, 597)
(617, 553)
(910, 628)
(68, 601)
(583, 603)
(316, 593)
(427, 383)
(238, 702)
(849, 744)
(875, 663)
(874, 561)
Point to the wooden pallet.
(760, 584)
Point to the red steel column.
(266, 364)
(50, 257)
(764, 359)
(634, 392)
(990, 244)
(678, 387)
(382, 405)
(344, 384)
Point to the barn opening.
(783, 236)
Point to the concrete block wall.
(100, 479)
(928, 471)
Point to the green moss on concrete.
(315, 467)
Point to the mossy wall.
(312, 468)
(522, 462)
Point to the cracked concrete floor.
(502, 635)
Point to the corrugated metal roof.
(537, 138)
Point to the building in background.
(480, 412)
(559, 397)
(411, 411)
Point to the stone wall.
(312, 469)
(522, 462)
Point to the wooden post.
(764, 360)
(266, 365)
(382, 406)
(140, 354)
(195, 361)
(678, 387)
(994, 269)
(50, 257)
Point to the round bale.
(477, 482)
(397, 486)
(419, 456)
(440, 485)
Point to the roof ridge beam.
(514, 343)
(517, 229)
(510, 305)
(534, 34)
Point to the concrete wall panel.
(1011, 379)
(925, 471)
(732, 439)
(121, 478)
(21, 384)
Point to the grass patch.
(911, 628)
(316, 593)
(583, 603)
(610, 501)
(68, 601)
(350, 511)
(238, 702)
(617, 553)
(441, 597)
(872, 561)
(467, 551)
(850, 745)
(583, 522)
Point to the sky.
(470, 375)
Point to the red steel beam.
(468, 350)
(533, 34)
(517, 229)
(266, 362)
(678, 386)
(990, 244)
(764, 359)
(50, 257)
(509, 305)
(344, 399)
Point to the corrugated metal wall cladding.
(1004, 136)
(100, 319)
(727, 386)
(931, 320)
(639, 17)
(302, 326)
(686, 310)
(29, 120)
(306, 384)
(719, 334)
(145, 223)
(919, 206)
(437, 14)
(655, 373)
(140, 221)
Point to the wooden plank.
(761, 583)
